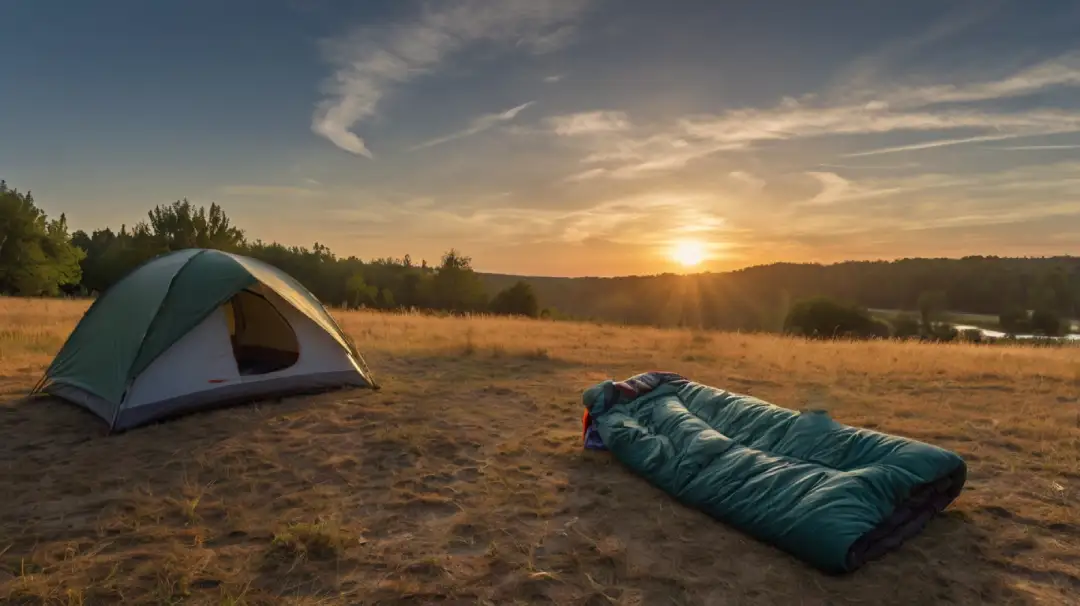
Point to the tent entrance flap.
(263, 341)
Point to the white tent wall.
(202, 360)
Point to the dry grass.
(463, 481)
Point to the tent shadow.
(45, 415)
(671, 551)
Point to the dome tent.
(196, 329)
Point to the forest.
(40, 256)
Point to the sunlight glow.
(688, 253)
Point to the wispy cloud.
(641, 219)
(747, 181)
(589, 123)
(936, 143)
(898, 166)
(933, 200)
(371, 60)
(618, 149)
(866, 70)
(744, 127)
(1034, 147)
(542, 44)
(836, 189)
(585, 175)
(268, 191)
(1059, 72)
(479, 125)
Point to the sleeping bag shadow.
(832, 495)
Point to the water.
(996, 334)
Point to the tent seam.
(142, 341)
(96, 303)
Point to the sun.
(688, 253)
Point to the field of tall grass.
(463, 479)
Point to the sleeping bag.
(832, 495)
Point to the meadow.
(463, 480)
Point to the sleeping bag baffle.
(830, 494)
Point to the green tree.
(455, 286)
(386, 298)
(182, 225)
(1014, 321)
(413, 287)
(1046, 322)
(36, 254)
(825, 318)
(932, 304)
(906, 325)
(517, 300)
(360, 293)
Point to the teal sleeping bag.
(832, 495)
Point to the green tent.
(195, 329)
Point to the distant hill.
(756, 298)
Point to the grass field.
(463, 480)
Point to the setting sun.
(688, 253)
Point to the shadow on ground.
(655, 546)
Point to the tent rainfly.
(198, 329)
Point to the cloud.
(744, 127)
(899, 166)
(589, 123)
(549, 42)
(836, 189)
(371, 60)
(1034, 147)
(933, 144)
(1062, 71)
(269, 191)
(625, 151)
(641, 219)
(929, 201)
(586, 175)
(866, 69)
(747, 180)
(552, 79)
(478, 125)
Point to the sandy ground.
(463, 480)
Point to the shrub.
(1014, 321)
(906, 325)
(1046, 322)
(517, 300)
(825, 318)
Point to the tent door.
(263, 341)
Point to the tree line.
(1021, 294)
(826, 318)
(39, 257)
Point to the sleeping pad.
(832, 495)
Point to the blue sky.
(560, 137)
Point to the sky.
(560, 137)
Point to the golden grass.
(463, 480)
